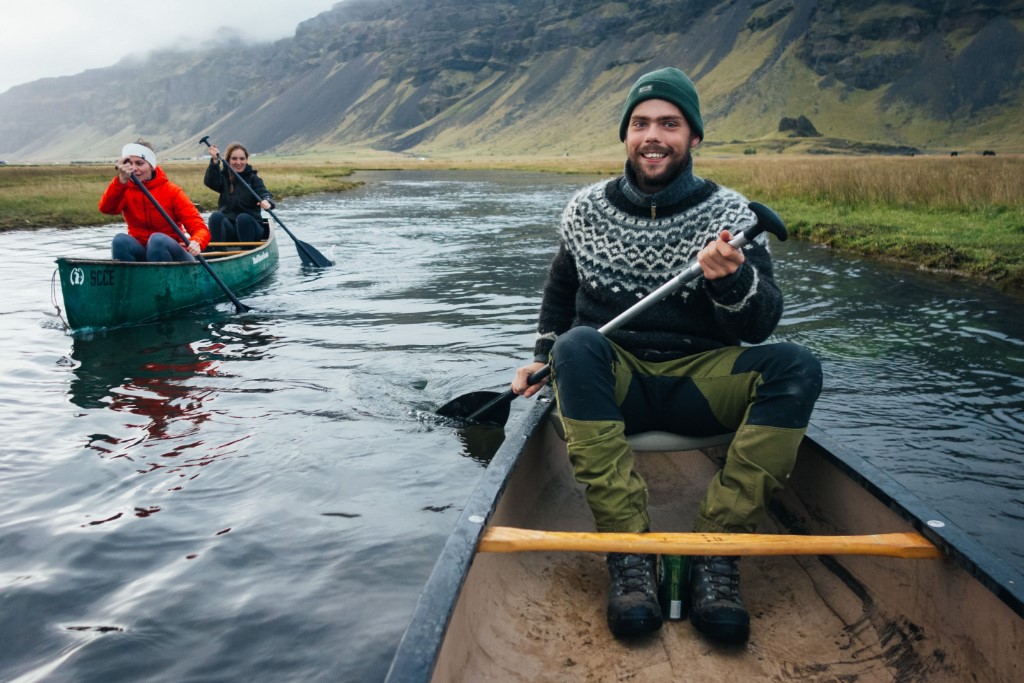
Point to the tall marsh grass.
(965, 184)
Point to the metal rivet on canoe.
(476, 519)
(936, 524)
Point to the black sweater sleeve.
(558, 303)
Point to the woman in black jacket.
(238, 216)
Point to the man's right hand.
(520, 387)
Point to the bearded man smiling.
(693, 363)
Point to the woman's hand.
(194, 248)
(520, 385)
(124, 170)
(214, 154)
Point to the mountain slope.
(499, 77)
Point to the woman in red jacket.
(150, 237)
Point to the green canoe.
(103, 293)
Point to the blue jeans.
(161, 247)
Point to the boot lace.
(722, 577)
(632, 573)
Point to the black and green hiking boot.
(633, 597)
(716, 608)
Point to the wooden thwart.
(235, 244)
(218, 254)
(906, 545)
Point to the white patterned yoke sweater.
(618, 244)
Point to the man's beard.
(663, 178)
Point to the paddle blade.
(479, 407)
(310, 256)
(307, 253)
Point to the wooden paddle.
(492, 408)
(908, 545)
(239, 306)
(307, 254)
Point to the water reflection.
(480, 443)
(163, 379)
(111, 367)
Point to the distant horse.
(988, 153)
(954, 154)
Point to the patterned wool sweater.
(612, 253)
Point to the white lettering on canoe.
(261, 257)
(76, 277)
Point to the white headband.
(134, 149)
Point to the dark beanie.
(665, 84)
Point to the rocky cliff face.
(532, 76)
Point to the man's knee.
(791, 381)
(803, 366)
(783, 361)
(582, 371)
(581, 342)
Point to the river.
(225, 497)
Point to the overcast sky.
(43, 38)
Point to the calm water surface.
(231, 497)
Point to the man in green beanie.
(694, 363)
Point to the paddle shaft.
(908, 545)
(239, 306)
(767, 220)
(309, 255)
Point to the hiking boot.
(633, 597)
(715, 608)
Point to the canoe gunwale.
(419, 649)
(1002, 580)
(421, 643)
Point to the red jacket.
(144, 219)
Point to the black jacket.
(234, 198)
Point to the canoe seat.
(656, 440)
(668, 441)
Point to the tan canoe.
(537, 614)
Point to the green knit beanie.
(665, 84)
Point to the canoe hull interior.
(101, 293)
(540, 616)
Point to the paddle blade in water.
(492, 410)
(310, 256)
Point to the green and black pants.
(763, 393)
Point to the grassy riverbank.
(961, 215)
